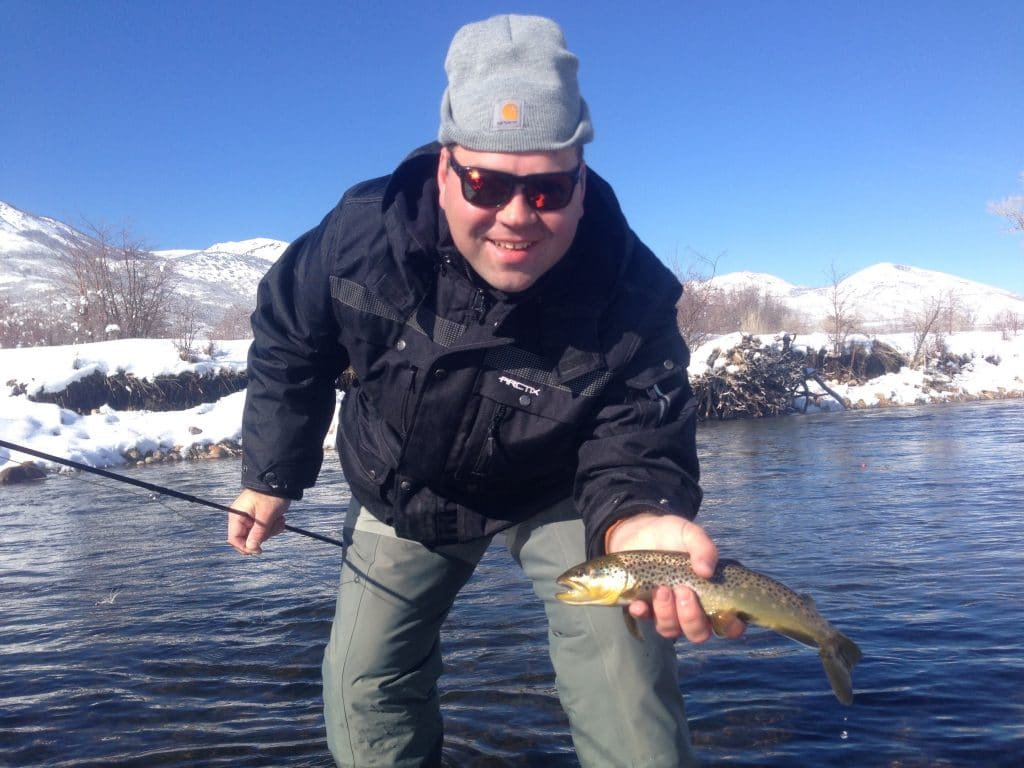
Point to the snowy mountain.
(881, 295)
(30, 249)
(216, 278)
(224, 276)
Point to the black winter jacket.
(472, 410)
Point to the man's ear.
(442, 176)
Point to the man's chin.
(510, 281)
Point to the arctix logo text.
(518, 385)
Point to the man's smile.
(512, 246)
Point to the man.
(519, 369)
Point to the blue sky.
(782, 137)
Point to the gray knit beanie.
(512, 88)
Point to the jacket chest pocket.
(512, 440)
(492, 446)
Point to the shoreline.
(981, 367)
(232, 448)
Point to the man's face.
(513, 246)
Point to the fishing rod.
(156, 488)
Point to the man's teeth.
(512, 246)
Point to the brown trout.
(733, 591)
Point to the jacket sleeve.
(294, 361)
(640, 453)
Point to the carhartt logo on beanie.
(512, 87)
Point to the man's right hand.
(263, 518)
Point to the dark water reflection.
(130, 635)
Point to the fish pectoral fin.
(631, 625)
(721, 621)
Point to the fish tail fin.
(839, 655)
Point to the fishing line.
(157, 489)
(197, 547)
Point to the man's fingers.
(690, 616)
(675, 611)
(703, 552)
(238, 531)
(255, 518)
(252, 546)
(260, 532)
(665, 622)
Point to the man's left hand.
(675, 610)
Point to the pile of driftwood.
(125, 392)
(754, 380)
(858, 362)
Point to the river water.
(131, 636)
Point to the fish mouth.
(581, 592)
(571, 590)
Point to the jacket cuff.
(270, 483)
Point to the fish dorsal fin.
(808, 601)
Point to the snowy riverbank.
(995, 369)
(104, 437)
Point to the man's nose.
(517, 211)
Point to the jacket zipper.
(480, 305)
(491, 443)
(409, 392)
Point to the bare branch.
(842, 320)
(1012, 209)
(693, 312)
(924, 324)
(118, 284)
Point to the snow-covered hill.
(224, 275)
(214, 278)
(886, 290)
(881, 295)
(31, 248)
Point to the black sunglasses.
(485, 188)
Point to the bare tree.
(957, 315)
(755, 310)
(694, 310)
(234, 323)
(925, 324)
(706, 310)
(1011, 208)
(1009, 323)
(187, 327)
(118, 285)
(842, 319)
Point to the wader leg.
(382, 663)
(622, 695)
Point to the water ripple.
(132, 636)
